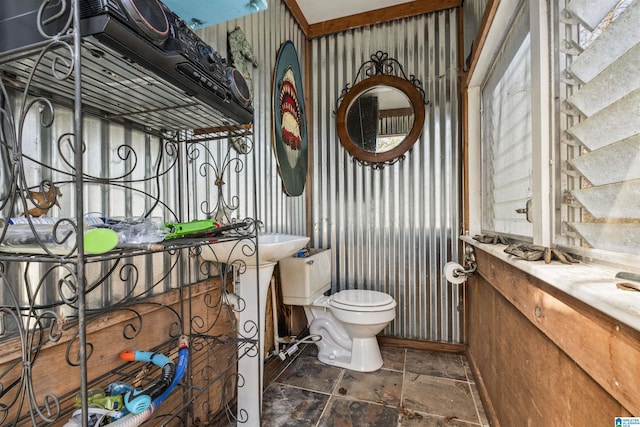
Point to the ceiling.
(316, 17)
(322, 17)
(316, 11)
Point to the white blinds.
(506, 134)
(606, 105)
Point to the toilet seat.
(361, 300)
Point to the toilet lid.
(361, 300)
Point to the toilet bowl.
(347, 321)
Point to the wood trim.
(205, 131)
(417, 105)
(295, 10)
(50, 374)
(308, 72)
(463, 174)
(463, 110)
(404, 10)
(603, 347)
(481, 37)
(465, 159)
(440, 347)
(11, 349)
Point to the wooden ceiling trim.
(481, 38)
(295, 10)
(391, 13)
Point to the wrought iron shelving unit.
(65, 314)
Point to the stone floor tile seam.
(355, 399)
(405, 371)
(325, 409)
(434, 415)
(475, 403)
(300, 388)
(468, 373)
(392, 370)
(404, 403)
(440, 378)
(285, 367)
(341, 397)
(336, 386)
(404, 374)
(373, 402)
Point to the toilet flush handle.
(310, 262)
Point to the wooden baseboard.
(441, 347)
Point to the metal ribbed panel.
(266, 32)
(393, 229)
(472, 13)
(107, 157)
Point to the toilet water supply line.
(293, 348)
(235, 302)
(286, 352)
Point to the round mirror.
(380, 118)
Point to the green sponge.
(99, 240)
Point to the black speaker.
(18, 19)
(149, 17)
(239, 87)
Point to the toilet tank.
(304, 279)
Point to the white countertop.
(592, 284)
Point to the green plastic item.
(97, 398)
(180, 229)
(100, 240)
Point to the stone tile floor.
(413, 388)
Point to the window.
(506, 133)
(554, 127)
(600, 125)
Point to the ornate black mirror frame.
(381, 70)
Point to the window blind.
(605, 124)
(506, 134)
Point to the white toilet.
(347, 321)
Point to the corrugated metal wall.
(266, 31)
(393, 229)
(182, 189)
(472, 13)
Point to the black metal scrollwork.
(48, 297)
(371, 137)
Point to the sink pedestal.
(250, 364)
(253, 289)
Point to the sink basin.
(272, 247)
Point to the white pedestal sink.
(253, 288)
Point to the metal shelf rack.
(64, 315)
